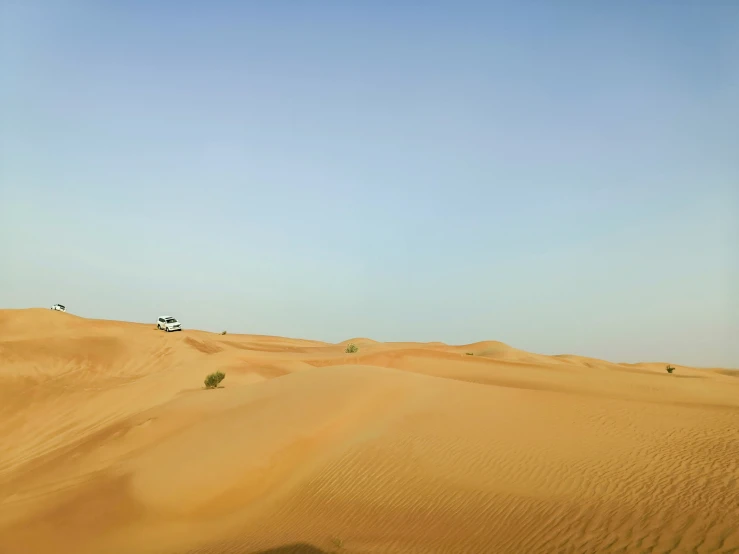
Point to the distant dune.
(109, 444)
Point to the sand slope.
(109, 444)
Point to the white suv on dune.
(168, 323)
(59, 308)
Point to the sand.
(110, 444)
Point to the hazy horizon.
(562, 178)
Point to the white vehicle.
(59, 308)
(168, 323)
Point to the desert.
(111, 443)
(369, 277)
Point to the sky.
(559, 176)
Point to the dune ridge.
(110, 445)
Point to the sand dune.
(110, 444)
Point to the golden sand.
(110, 444)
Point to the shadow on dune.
(297, 548)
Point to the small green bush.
(670, 369)
(351, 349)
(214, 379)
(470, 353)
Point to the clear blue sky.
(560, 176)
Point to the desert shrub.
(670, 369)
(214, 379)
(470, 353)
(351, 349)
